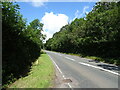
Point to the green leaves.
(96, 34)
(21, 43)
(36, 25)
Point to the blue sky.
(54, 15)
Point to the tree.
(21, 43)
(97, 34)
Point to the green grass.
(73, 54)
(40, 76)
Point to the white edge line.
(69, 85)
(59, 70)
(64, 77)
(56, 65)
(100, 68)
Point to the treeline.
(21, 43)
(97, 34)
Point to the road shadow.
(109, 67)
(96, 61)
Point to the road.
(76, 72)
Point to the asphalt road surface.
(76, 72)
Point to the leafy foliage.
(21, 43)
(98, 34)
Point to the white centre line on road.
(99, 68)
(59, 71)
(70, 58)
(59, 55)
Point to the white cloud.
(65, 0)
(53, 22)
(76, 13)
(37, 3)
(84, 11)
(79, 15)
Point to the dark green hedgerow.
(97, 34)
(21, 43)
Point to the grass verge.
(40, 76)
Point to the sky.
(54, 15)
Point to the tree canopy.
(97, 34)
(21, 42)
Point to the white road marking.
(64, 77)
(60, 71)
(59, 55)
(70, 58)
(56, 65)
(99, 68)
(69, 85)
